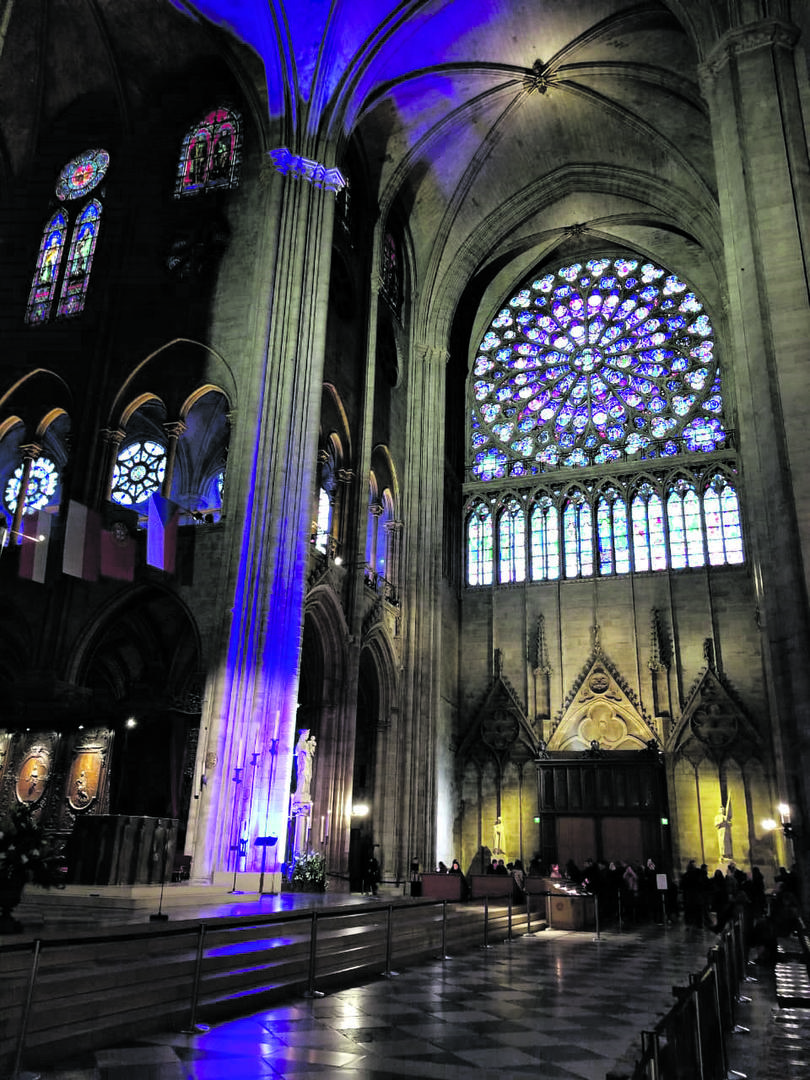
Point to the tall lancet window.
(211, 154)
(545, 540)
(479, 545)
(512, 543)
(75, 226)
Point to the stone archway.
(143, 664)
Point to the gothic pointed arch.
(713, 723)
(601, 712)
(141, 659)
(500, 730)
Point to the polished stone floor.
(551, 1005)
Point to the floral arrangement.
(26, 853)
(309, 873)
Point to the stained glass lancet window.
(722, 510)
(545, 540)
(649, 544)
(512, 543)
(685, 526)
(612, 533)
(80, 259)
(211, 153)
(578, 536)
(75, 182)
(43, 286)
(479, 546)
(594, 363)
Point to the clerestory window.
(68, 241)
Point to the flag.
(117, 552)
(161, 533)
(80, 557)
(34, 543)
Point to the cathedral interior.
(403, 430)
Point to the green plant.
(309, 873)
(26, 853)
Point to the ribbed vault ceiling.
(502, 132)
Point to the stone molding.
(771, 33)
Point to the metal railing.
(185, 966)
(691, 1041)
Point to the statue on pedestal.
(304, 753)
(498, 840)
(722, 822)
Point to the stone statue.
(304, 753)
(722, 822)
(498, 838)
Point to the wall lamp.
(360, 810)
(784, 822)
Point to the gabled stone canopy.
(713, 724)
(501, 728)
(601, 710)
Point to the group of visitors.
(644, 892)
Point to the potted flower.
(309, 873)
(26, 855)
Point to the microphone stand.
(160, 915)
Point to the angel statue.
(722, 822)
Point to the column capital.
(175, 428)
(112, 436)
(432, 354)
(769, 33)
(30, 451)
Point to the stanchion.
(528, 913)
(444, 931)
(311, 992)
(388, 973)
(596, 917)
(509, 919)
(29, 997)
(193, 1027)
(486, 944)
(619, 908)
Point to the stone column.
(420, 581)
(111, 441)
(30, 453)
(173, 431)
(250, 708)
(752, 87)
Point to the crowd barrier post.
(193, 1027)
(649, 1054)
(444, 931)
(311, 992)
(698, 1031)
(29, 997)
(596, 917)
(486, 944)
(509, 919)
(388, 973)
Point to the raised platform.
(115, 904)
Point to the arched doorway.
(142, 662)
